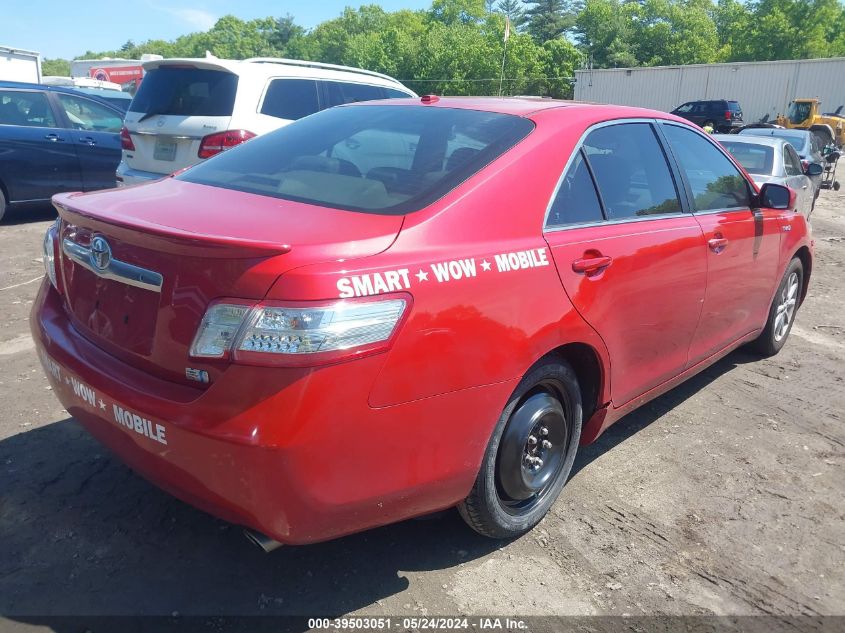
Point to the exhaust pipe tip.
(264, 542)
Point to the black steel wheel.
(530, 453)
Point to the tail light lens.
(273, 333)
(126, 140)
(49, 253)
(216, 143)
(727, 115)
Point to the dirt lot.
(725, 496)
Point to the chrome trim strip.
(628, 220)
(116, 270)
(163, 134)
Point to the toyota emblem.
(100, 253)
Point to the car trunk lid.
(174, 247)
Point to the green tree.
(603, 30)
(547, 19)
(513, 10)
(55, 67)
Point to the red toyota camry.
(387, 309)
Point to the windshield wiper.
(149, 114)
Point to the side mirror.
(814, 169)
(774, 196)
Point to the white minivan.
(187, 110)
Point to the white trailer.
(19, 65)
(762, 88)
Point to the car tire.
(542, 421)
(784, 306)
(2, 205)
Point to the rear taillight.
(727, 115)
(126, 140)
(49, 253)
(297, 334)
(216, 143)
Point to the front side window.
(85, 114)
(714, 180)
(30, 109)
(631, 171)
(792, 162)
(684, 109)
(290, 98)
(576, 201)
(374, 159)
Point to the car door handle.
(54, 137)
(717, 244)
(591, 264)
(87, 140)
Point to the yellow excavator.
(806, 114)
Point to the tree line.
(456, 46)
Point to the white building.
(19, 65)
(760, 87)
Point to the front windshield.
(799, 112)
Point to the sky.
(58, 28)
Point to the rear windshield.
(375, 159)
(186, 92)
(798, 140)
(757, 159)
(734, 106)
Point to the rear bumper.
(296, 454)
(127, 176)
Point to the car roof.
(60, 89)
(271, 66)
(527, 106)
(751, 139)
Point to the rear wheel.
(2, 205)
(530, 454)
(783, 310)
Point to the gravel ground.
(725, 496)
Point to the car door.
(95, 132)
(742, 243)
(796, 179)
(37, 156)
(631, 260)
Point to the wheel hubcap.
(785, 310)
(531, 452)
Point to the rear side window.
(186, 92)
(631, 171)
(576, 200)
(375, 159)
(340, 92)
(290, 98)
(30, 109)
(713, 179)
(392, 93)
(757, 159)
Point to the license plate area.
(165, 149)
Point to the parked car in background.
(187, 110)
(312, 346)
(117, 98)
(722, 115)
(772, 159)
(54, 139)
(807, 144)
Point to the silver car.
(772, 159)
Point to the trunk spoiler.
(164, 238)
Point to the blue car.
(54, 139)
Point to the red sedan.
(387, 309)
